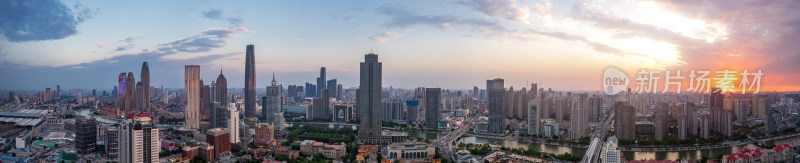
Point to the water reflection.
(330, 126)
(713, 153)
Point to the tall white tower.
(234, 123)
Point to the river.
(88, 113)
(580, 151)
(628, 155)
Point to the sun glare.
(654, 14)
(657, 52)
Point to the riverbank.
(630, 155)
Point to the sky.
(452, 44)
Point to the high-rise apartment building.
(742, 109)
(138, 140)
(533, 116)
(578, 116)
(595, 109)
(661, 121)
(705, 125)
(412, 109)
(264, 133)
(691, 119)
(220, 139)
(625, 123)
(233, 123)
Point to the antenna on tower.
(273, 79)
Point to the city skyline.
(434, 44)
(596, 81)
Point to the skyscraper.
(339, 91)
(311, 90)
(475, 92)
(219, 115)
(325, 104)
(58, 92)
(146, 85)
(138, 139)
(219, 110)
(291, 93)
(205, 101)
(250, 83)
(47, 94)
(130, 91)
(221, 90)
(272, 102)
(139, 96)
(321, 82)
(192, 90)
(332, 88)
(508, 102)
(369, 97)
(432, 107)
(495, 105)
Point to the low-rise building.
(201, 149)
(288, 152)
(779, 153)
(312, 147)
(411, 150)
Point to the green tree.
(198, 159)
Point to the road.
(446, 143)
(597, 140)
